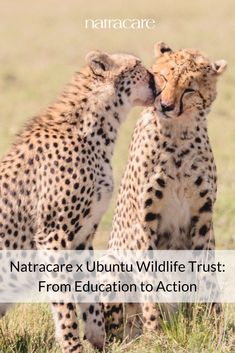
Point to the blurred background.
(44, 42)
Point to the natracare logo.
(127, 23)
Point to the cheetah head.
(123, 76)
(186, 81)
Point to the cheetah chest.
(179, 196)
(176, 209)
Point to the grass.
(42, 43)
(32, 331)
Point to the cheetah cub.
(168, 189)
(56, 181)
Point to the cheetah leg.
(66, 326)
(94, 327)
(151, 316)
(152, 218)
(64, 314)
(201, 233)
(113, 314)
(93, 314)
(147, 233)
(65, 317)
(203, 238)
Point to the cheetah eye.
(102, 66)
(161, 82)
(160, 77)
(189, 90)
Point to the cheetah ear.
(160, 48)
(99, 62)
(219, 66)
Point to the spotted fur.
(56, 180)
(168, 190)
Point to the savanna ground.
(42, 43)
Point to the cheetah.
(168, 190)
(56, 181)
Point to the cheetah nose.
(167, 107)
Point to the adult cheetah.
(56, 180)
(168, 189)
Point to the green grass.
(42, 44)
(32, 331)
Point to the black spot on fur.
(207, 207)
(203, 230)
(203, 193)
(198, 181)
(159, 194)
(151, 217)
(161, 182)
(148, 202)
